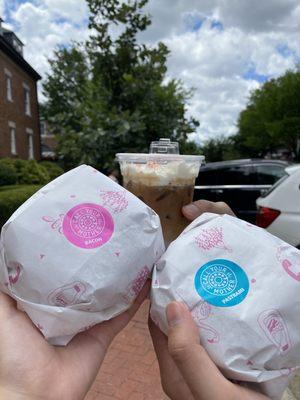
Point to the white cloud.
(223, 65)
(216, 63)
(169, 16)
(72, 10)
(256, 15)
(252, 39)
(42, 28)
(1, 8)
(220, 104)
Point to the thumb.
(200, 373)
(197, 208)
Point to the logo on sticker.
(88, 225)
(222, 283)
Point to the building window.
(13, 138)
(27, 100)
(18, 46)
(30, 144)
(8, 81)
(43, 128)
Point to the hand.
(195, 209)
(186, 370)
(30, 368)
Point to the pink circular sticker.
(88, 225)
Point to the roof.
(17, 58)
(293, 168)
(223, 164)
(8, 32)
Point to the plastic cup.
(165, 182)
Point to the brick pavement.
(130, 370)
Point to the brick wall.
(15, 111)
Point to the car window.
(268, 174)
(235, 175)
(278, 183)
(207, 178)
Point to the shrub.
(30, 172)
(12, 197)
(53, 169)
(8, 173)
(27, 172)
(19, 166)
(8, 161)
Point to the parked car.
(239, 183)
(279, 207)
(47, 153)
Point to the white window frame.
(13, 138)
(30, 142)
(27, 104)
(8, 84)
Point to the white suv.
(279, 207)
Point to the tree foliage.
(272, 117)
(111, 93)
(219, 149)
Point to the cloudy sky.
(222, 48)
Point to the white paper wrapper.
(78, 252)
(242, 286)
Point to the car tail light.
(266, 216)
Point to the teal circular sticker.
(222, 283)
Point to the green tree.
(110, 94)
(219, 149)
(272, 117)
(66, 89)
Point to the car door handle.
(217, 191)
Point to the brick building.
(19, 113)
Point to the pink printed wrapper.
(242, 286)
(66, 253)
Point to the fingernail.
(191, 211)
(175, 313)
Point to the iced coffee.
(163, 181)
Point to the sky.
(223, 49)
